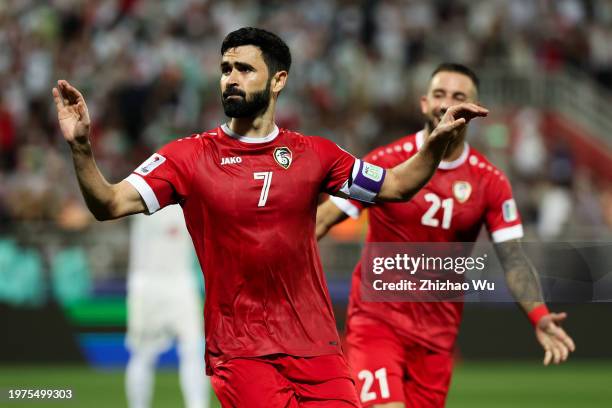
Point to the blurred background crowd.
(150, 69)
(150, 73)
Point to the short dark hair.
(275, 51)
(462, 69)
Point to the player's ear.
(423, 102)
(278, 81)
(473, 95)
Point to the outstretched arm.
(402, 182)
(104, 200)
(524, 284)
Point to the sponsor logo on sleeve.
(372, 172)
(462, 190)
(509, 210)
(283, 157)
(150, 164)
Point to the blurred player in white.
(164, 304)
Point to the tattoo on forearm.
(521, 276)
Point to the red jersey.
(460, 198)
(250, 207)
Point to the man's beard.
(430, 124)
(432, 121)
(246, 107)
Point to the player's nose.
(445, 104)
(232, 78)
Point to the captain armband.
(365, 182)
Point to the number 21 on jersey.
(429, 218)
(266, 176)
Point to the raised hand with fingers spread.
(454, 121)
(104, 200)
(406, 179)
(72, 113)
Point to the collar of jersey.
(247, 139)
(446, 165)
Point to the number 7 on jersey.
(266, 176)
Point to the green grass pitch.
(482, 384)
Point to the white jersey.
(163, 293)
(164, 307)
(160, 246)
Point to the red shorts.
(388, 368)
(285, 381)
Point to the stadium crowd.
(150, 73)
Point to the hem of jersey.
(366, 319)
(215, 362)
(508, 233)
(246, 139)
(346, 206)
(145, 191)
(445, 165)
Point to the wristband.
(537, 313)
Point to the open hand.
(455, 119)
(72, 113)
(554, 340)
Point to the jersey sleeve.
(337, 164)
(165, 177)
(502, 217)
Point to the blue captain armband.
(365, 182)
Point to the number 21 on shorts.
(368, 380)
(266, 176)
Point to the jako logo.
(231, 160)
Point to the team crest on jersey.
(462, 190)
(150, 164)
(283, 157)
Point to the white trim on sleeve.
(355, 171)
(346, 206)
(508, 233)
(145, 191)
